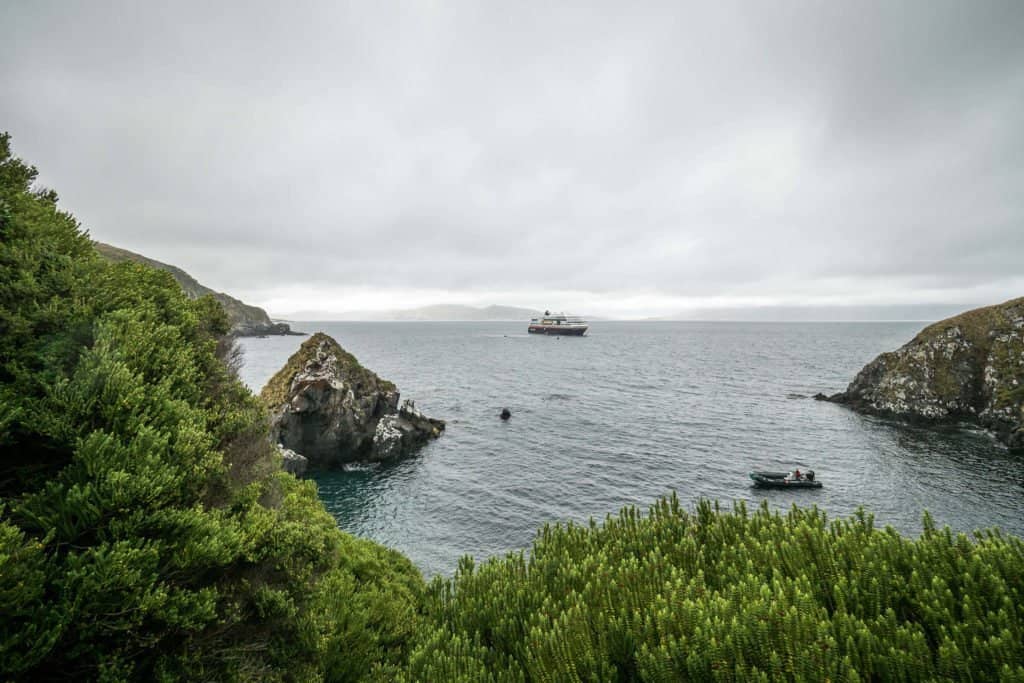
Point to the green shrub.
(146, 530)
(731, 596)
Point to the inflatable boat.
(785, 480)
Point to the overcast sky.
(620, 158)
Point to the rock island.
(966, 368)
(330, 409)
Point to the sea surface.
(634, 411)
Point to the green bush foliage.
(146, 530)
(734, 597)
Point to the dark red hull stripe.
(555, 329)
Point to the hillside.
(245, 320)
(968, 367)
(147, 532)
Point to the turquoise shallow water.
(634, 411)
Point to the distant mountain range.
(921, 312)
(249, 320)
(437, 312)
(246, 320)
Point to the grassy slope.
(982, 327)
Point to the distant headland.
(246, 320)
(966, 368)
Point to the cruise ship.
(559, 324)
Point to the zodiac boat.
(785, 480)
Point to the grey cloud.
(691, 150)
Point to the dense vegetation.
(146, 533)
(732, 596)
(242, 318)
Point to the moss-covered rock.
(325, 405)
(968, 367)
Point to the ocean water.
(631, 412)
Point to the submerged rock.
(967, 368)
(328, 407)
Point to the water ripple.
(632, 412)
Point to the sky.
(620, 159)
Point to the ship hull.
(559, 330)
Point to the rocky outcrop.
(246, 320)
(258, 328)
(332, 410)
(966, 368)
(292, 461)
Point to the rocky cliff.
(329, 408)
(967, 368)
(246, 320)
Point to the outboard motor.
(810, 475)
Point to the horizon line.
(607, 320)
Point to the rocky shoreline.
(329, 410)
(968, 368)
(258, 328)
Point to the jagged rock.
(328, 407)
(292, 461)
(403, 433)
(966, 368)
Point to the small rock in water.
(505, 413)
